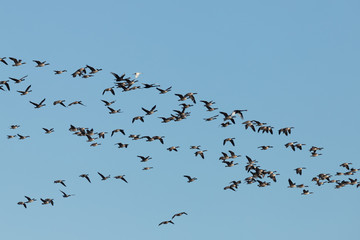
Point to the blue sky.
(288, 63)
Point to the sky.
(288, 63)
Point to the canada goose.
(265, 147)
(299, 145)
(86, 176)
(40, 64)
(149, 139)
(135, 137)
(315, 154)
(191, 96)
(17, 62)
(57, 72)
(108, 103)
(61, 182)
(201, 153)
(6, 84)
(211, 118)
(286, 130)
(16, 80)
(165, 120)
(190, 179)
(93, 70)
(39, 105)
(239, 112)
(249, 124)
(231, 140)
(109, 90)
(11, 136)
(160, 138)
(152, 85)
(207, 103)
(147, 168)
(195, 147)
(228, 117)
(27, 90)
(30, 200)
(230, 187)
(210, 109)
(76, 102)
(87, 76)
(301, 186)
(141, 118)
(299, 170)
(233, 155)
(90, 139)
(345, 165)
(263, 184)
(22, 137)
(3, 60)
(144, 159)
(267, 129)
(118, 130)
(163, 91)
(66, 195)
(181, 97)
(291, 184)
(113, 111)
(101, 134)
(151, 111)
(95, 144)
(47, 201)
(185, 106)
(339, 174)
(173, 148)
(117, 77)
(230, 163)
(314, 149)
(179, 214)
(48, 131)
(224, 156)
(121, 145)
(353, 181)
(22, 203)
(306, 192)
(166, 222)
(291, 144)
(122, 177)
(14, 126)
(103, 178)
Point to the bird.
(76, 102)
(17, 62)
(201, 153)
(113, 111)
(26, 91)
(48, 131)
(21, 137)
(173, 148)
(299, 170)
(6, 84)
(345, 165)
(141, 118)
(118, 130)
(39, 105)
(152, 85)
(122, 177)
(66, 195)
(151, 111)
(147, 168)
(22, 203)
(3, 60)
(291, 184)
(163, 91)
(30, 200)
(195, 147)
(14, 126)
(103, 178)
(137, 74)
(211, 118)
(265, 147)
(111, 89)
(47, 201)
(190, 179)
(178, 214)
(306, 192)
(144, 159)
(122, 145)
(166, 222)
(108, 103)
(286, 130)
(57, 72)
(231, 140)
(18, 80)
(191, 96)
(86, 176)
(40, 64)
(61, 182)
(291, 144)
(93, 70)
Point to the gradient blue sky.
(290, 63)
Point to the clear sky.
(289, 63)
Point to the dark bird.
(118, 130)
(109, 90)
(27, 90)
(61, 102)
(201, 153)
(66, 195)
(122, 177)
(22, 203)
(190, 179)
(113, 111)
(18, 80)
(6, 84)
(103, 178)
(163, 91)
(57, 72)
(151, 111)
(93, 70)
(108, 103)
(38, 105)
(166, 222)
(76, 102)
(178, 214)
(3, 60)
(231, 140)
(47, 201)
(40, 64)
(86, 176)
(61, 182)
(17, 62)
(48, 131)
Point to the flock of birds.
(257, 175)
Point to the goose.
(93, 70)
(109, 90)
(122, 177)
(113, 111)
(61, 182)
(151, 111)
(3, 60)
(14, 126)
(299, 170)
(95, 144)
(263, 184)
(147, 168)
(286, 130)
(152, 85)
(291, 144)
(195, 147)
(299, 145)
(301, 186)
(57, 72)
(201, 153)
(314, 154)
(291, 184)
(48, 131)
(86, 176)
(233, 155)
(27, 90)
(211, 118)
(121, 145)
(66, 195)
(102, 134)
(90, 139)
(144, 159)
(179, 214)
(18, 80)
(185, 106)
(117, 130)
(314, 149)
(181, 97)
(76, 102)
(210, 109)
(30, 200)
(345, 165)
(265, 147)
(224, 156)
(17, 62)
(39, 105)
(87, 76)
(191, 96)
(231, 140)
(117, 77)
(22, 137)
(135, 137)
(239, 112)
(173, 148)
(228, 117)
(108, 103)
(353, 181)
(166, 222)
(160, 138)
(11, 136)
(103, 178)
(149, 139)
(22, 203)
(163, 91)
(249, 124)
(306, 192)
(230, 163)
(267, 129)
(229, 187)
(165, 120)
(40, 64)
(47, 201)
(141, 118)
(6, 84)
(207, 103)
(190, 179)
